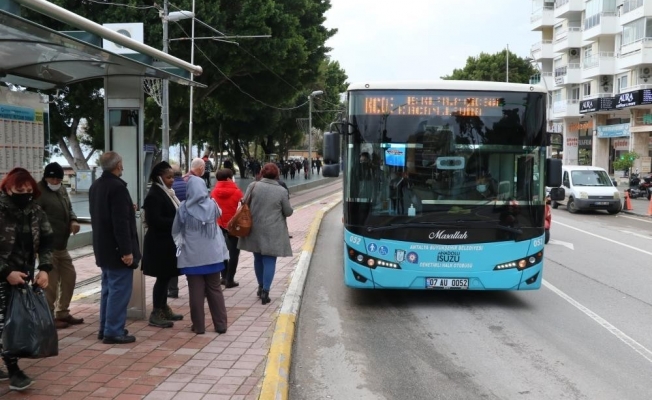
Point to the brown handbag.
(240, 224)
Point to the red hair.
(18, 177)
(270, 171)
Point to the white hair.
(197, 165)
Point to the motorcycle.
(640, 187)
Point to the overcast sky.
(423, 39)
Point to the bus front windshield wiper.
(453, 224)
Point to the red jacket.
(227, 195)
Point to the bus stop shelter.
(38, 58)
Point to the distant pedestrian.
(306, 168)
(159, 251)
(208, 168)
(228, 195)
(116, 248)
(26, 234)
(269, 237)
(54, 200)
(318, 164)
(201, 251)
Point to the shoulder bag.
(241, 223)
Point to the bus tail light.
(521, 263)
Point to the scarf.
(199, 212)
(170, 192)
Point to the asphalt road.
(584, 335)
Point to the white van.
(588, 188)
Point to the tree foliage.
(493, 67)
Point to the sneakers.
(170, 315)
(19, 381)
(3, 375)
(157, 319)
(100, 334)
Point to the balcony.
(603, 63)
(563, 8)
(606, 23)
(566, 108)
(544, 79)
(541, 50)
(633, 54)
(568, 75)
(566, 39)
(543, 17)
(634, 9)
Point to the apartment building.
(595, 60)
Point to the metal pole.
(165, 107)
(506, 65)
(310, 136)
(192, 60)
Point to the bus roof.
(447, 85)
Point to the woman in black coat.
(159, 250)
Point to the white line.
(636, 346)
(642, 219)
(604, 238)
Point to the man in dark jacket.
(179, 184)
(56, 203)
(115, 243)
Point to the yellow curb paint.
(309, 244)
(277, 371)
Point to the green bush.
(626, 161)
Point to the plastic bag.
(29, 330)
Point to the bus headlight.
(521, 263)
(368, 261)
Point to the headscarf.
(199, 212)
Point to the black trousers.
(234, 255)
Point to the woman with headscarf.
(159, 251)
(201, 251)
(269, 238)
(25, 235)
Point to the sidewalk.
(640, 206)
(169, 363)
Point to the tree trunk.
(72, 150)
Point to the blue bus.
(444, 184)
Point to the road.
(584, 335)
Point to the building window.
(622, 82)
(575, 92)
(587, 89)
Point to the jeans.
(116, 292)
(264, 267)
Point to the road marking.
(637, 235)
(560, 243)
(636, 346)
(604, 238)
(642, 219)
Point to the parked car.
(588, 188)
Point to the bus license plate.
(447, 283)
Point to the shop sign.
(621, 144)
(579, 126)
(598, 104)
(609, 131)
(585, 142)
(628, 99)
(571, 142)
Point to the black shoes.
(259, 291)
(124, 339)
(221, 331)
(19, 381)
(264, 297)
(100, 334)
(231, 284)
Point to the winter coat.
(159, 251)
(179, 187)
(113, 219)
(58, 208)
(270, 206)
(33, 224)
(227, 195)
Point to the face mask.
(54, 188)
(481, 188)
(21, 200)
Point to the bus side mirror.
(331, 167)
(553, 172)
(557, 194)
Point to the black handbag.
(29, 330)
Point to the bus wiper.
(416, 225)
(495, 225)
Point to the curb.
(277, 370)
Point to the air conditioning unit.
(645, 72)
(574, 52)
(130, 30)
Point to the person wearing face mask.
(159, 250)
(56, 203)
(484, 189)
(116, 247)
(25, 235)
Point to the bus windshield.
(438, 155)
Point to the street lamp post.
(313, 94)
(165, 96)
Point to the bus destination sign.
(463, 106)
